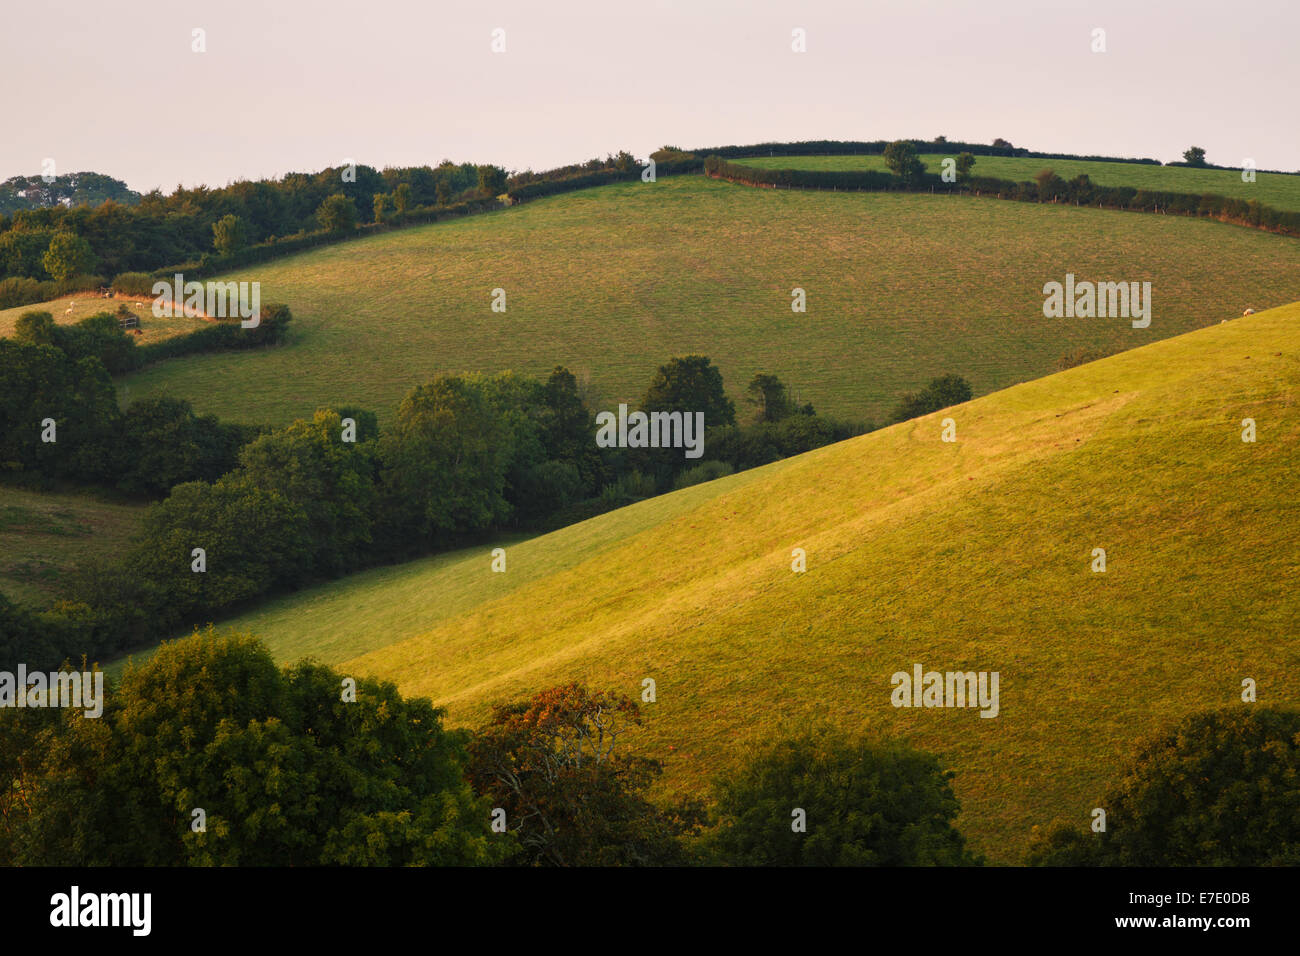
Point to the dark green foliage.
(704, 471)
(545, 488)
(134, 283)
(1050, 186)
(771, 401)
(68, 255)
(942, 392)
(444, 462)
(867, 804)
(554, 461)
(331, 480)
(1221, 789)
(34, 328)
(23, 291)
(763, 443)
(221, 336)
(229, 235)
(48, 371)
(165, 444)
(71, 189)
(827, 147)
(523, 188)
(869, 179)
(338, 213)
(690, 383)
(1079, 190)
(367, 422)
(99, 336)
(22, 639)
(254, 538)
(288, 774)
(22, 252)
(491, 180)
(39, 382)
(903, 162)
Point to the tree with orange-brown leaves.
(557, 766)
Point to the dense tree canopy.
(690, 383)
(338, 213)
(822, 802)
(68, 255)
(1220, 789)
(287, 770)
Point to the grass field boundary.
(1079, 193)
(832, 147)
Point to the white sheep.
(1248, 312)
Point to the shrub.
(1219, 789)
(338, 213)
(864, 804)
(69, 255)
(628, 488)
(134, 283)
(942, 392)
(704, 471)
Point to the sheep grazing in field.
(1248, 312)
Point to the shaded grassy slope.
(613, 281)
(973, 555)
(1271, 189)
(43, 535)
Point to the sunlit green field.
(972, 555)
(74, 308)
(613, 281)
(1272, 189)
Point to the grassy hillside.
(973, 555)
(1276, 190)
(613, 281)
(45, 534)
(74, 308)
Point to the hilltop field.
(73, 308)
(972, 555)
(613, 281)
(1271, 189)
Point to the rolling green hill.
(972, 555)
(613, 281)
(1272, 189)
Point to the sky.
(116, 87)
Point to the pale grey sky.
(297, 85)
